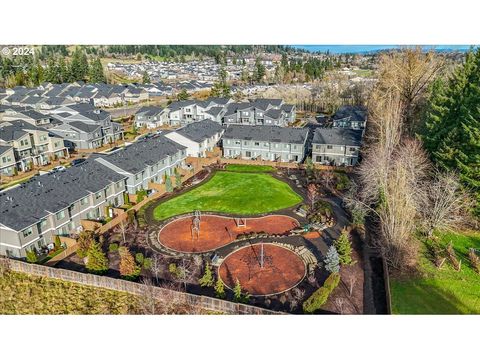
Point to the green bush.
(147, 263)
(139, 258)
(113, 247)
(343, 181)
(320, 296)
(58, 243)
(31, 256)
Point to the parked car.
(58, 168)
(77, 161)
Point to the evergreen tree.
(332, 260)
(168, 184)
(237, 291)
(344, 248)
(178, 178)
(97, 262)
(183, 95)
(220, 289)
(79, 65)
(57, 242)
(451, 132)
(96, 72)
(207, 279)
(145, 78)
(259, 72)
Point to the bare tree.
(147, 300)
(158, 265)
(340, 305)
(312, 194)
(445, 204)
(350, 281)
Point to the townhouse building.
(151, 117)
(260, 112)
(7, 161)
(32, 214)
(272, 143)
(350, 117)
(199, 137)
(31, 145)
(145, 161)
(336, 146)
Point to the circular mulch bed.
(282, 269)
(217, 231)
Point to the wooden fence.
(198, 301)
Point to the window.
(238, 143)
(98, 195)
(27, 232)
(43, 137)
(329, 146)
(60, 215)
(318, 158)
(257, 144)
(353, 149)
(84, 201)
(43, 224)
(245, 143)
(294, 147)
(6, 159)
(57, 144)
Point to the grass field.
(249, 168)
(441, 291)
(24, 294)
(232, 192)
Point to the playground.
(199, 233)
(262, 269)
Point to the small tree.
(219, 289)
(312, 195)
(31, 256)
(207, 279)
(57, 241)
(344, 247)
(145, 78)
(474, 260)
(84, 240)
(128, 267)
(178, 178)
(332, 260)
(168, 184)
(183, 95)
(139, 258)
(97, 262)
(309, 167)
(237, 291)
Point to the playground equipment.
(196, 225)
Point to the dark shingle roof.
(201, 130)
(26, 204)
(266, 133)
(142, 153)
(338, 136)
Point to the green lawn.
(232, 192)
(443, 291)
(249, 168)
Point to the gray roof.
(266, 133)
(11, 132)
(180, 104)
(4, 149)
(150, 110)
(88, 128)
(338, 136)
(355, 113)
(142, 153)
(200, 130)
(26, 204)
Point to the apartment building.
(272, 143)
(350, 117)
(336, 146)
(7, 161)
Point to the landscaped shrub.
(332, 260)
(128, 268)
(219, 289)
(207, 279)
(452, 256)
(113, 247)
(139, 258)
(31, 256)
(147, 263)
(141, 194)
(320, 296)
(58, 243)
(344, 247)
(343, 181)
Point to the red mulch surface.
(217, 231)
(282, 269)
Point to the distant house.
(151, 117)
(350, 117)
(198, 137)
(336, 146)
(260, 112)
(272, 143)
